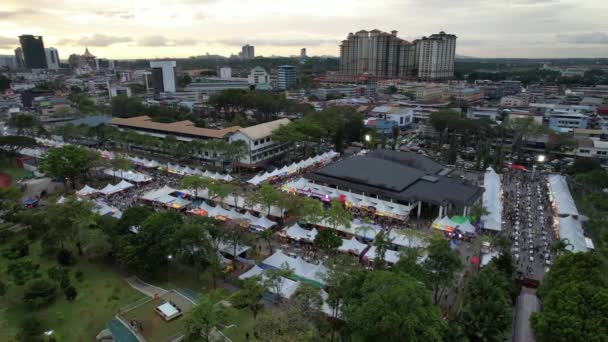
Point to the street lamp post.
(169, 258)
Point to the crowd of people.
(528, 221)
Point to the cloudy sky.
(181, 28)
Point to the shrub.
(38, 293)
(2, 288)
(29, 327)
(70, 293)
(65, 257)
(79, 275)
(17, 250)
(22, 271)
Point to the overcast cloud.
(182, 28)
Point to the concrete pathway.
(145, 288)
(527, 303)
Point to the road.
(527, 303)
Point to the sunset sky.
(182, 28)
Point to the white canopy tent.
(560, 195)
(352, 245)
(110, 190)
(86, 191)
(571, 230)
(390, 256)
(325, 157)
(298, 266)
(492, 201)
(298, 233)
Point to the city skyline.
(183, 28)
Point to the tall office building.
(286, 77)
(163, 76)
(303, 53)
(248, 52)
(225, 72)
(384, 55)
(33, 51)
(52, 58)
(436, 55)
(19, 58)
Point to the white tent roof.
(165, 199)
(154, 194)
(390, 256)
(406, 240)
(263, 222)
(298, 233)
(466, 227)
(299, 266)
(353, 245)
(561, 194)
(123, 185)
(86, 190)
(570, 229)
(491, 200)
(110, 189)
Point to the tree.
(70, 293)
(393, 306)
(477, 212)
(23, 123)
(2, 288)
(194, 244)
(310, 210)
(69, 162)
(396, 132)
(307, 299)
(12, 143)
(65, 221)
(9, 199)
(194, 182)
(382, 242)
(441, 264)
(121, 164)
(235, 234)
(96, 245)
(336, 215)
(284, 326)
(203, 318)
(146, 251)
(267, 235)
(5, 82)
(38, 293)
(131, 217)
(486, 313)
(275, 279)
(328, 241)
(574, 296)
(391, 90)
(249, 296)
(266, 196)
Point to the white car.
(531, 258)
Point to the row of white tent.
(294, 167)
(257, 223)
(568, 224)
(492, 201)
(50, 142)
(144, 162)
(295, 232)
(132, 176)
(107, 190)
(188, 171)
(99, 206)
(303, 186)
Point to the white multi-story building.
(436, 55)
(163, 76)
(258, 139)
(514, 101)
(592, 148)
(226, 73)
(52, 58)
(257, 76)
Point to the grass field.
(101, 293)
(155, 328)
(12, 170)
(239, 322)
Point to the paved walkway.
(527, 303)
(145, 288)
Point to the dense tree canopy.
(69, 162)
(391, 306)
(574, 297)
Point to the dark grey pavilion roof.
(400, 176)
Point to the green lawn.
(155, 328)
(16, 173)
(239, 322)
(100, 295)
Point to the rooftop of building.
(263, 130)
(185, 127)
(402, 176)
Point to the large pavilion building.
(402, 177)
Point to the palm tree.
(560, 246)
(336, 215)
(121, 164)
(267, 236)
(382, 242)
(477, 211)
(194, 182)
